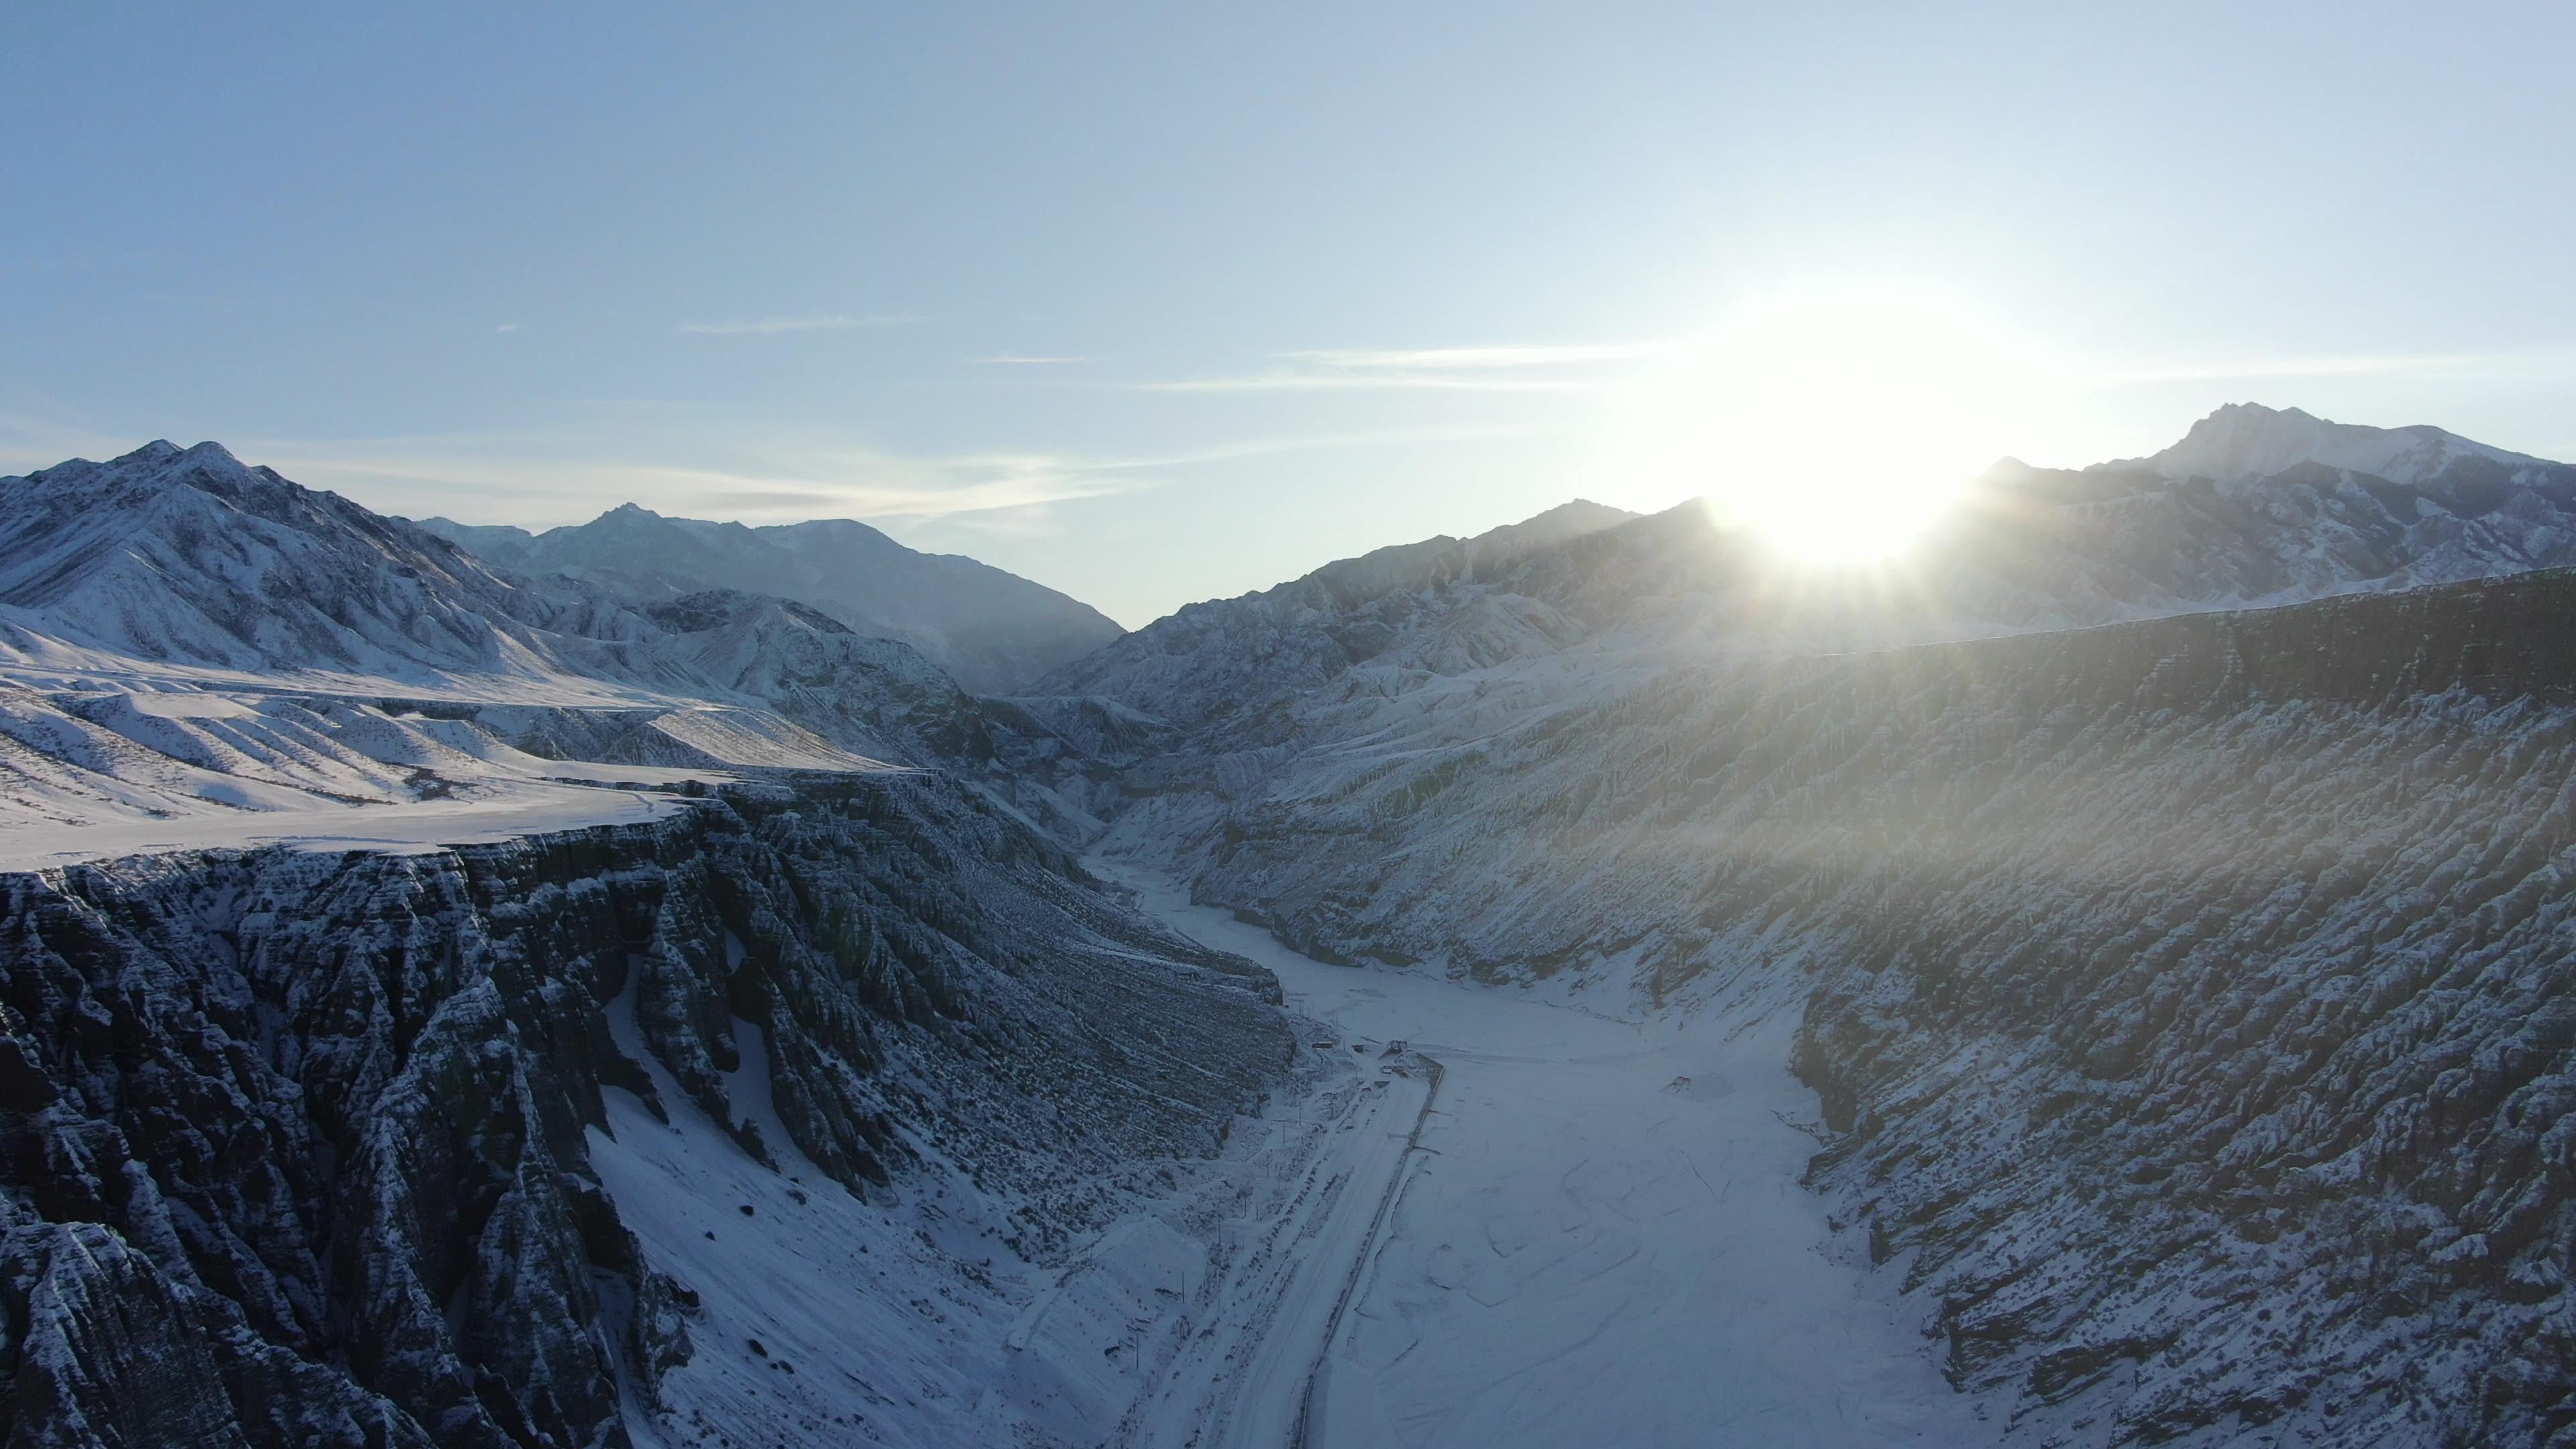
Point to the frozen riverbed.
(1592, 1249)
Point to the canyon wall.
(292, 1143)
(2188, 1000)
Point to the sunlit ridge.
(1834, 419)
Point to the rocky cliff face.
(2187, 998)
(293, 1145)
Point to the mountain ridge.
(2023, 548)
(992, 629)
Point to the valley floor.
(1598, 1237)
(1604, 1239)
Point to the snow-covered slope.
(993, 630)
(2248, 440)
(175, 574)
(2184, 992)
(2022, 549)
(1432, 605)
(2181, 997)
(187, 556)
(757, 1123)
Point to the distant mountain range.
(174, 569)
(993, 631)
(193, 560)
(2254, 507)
(2159, 873)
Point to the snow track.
(1301, 1435)
(1603, 1238)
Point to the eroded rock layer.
(292, 1145)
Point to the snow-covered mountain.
(2180, 983)
(2253, 506)
(2180, 993)
(2126, 958)
(2244, 441)
(2023, 548)
(187, 570)
(1438, 605)
(186, 556)
(994, 631)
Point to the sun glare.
(1834, 420)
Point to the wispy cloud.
(540, 480)
(774, 326)
(1305, 443)
(1419, 381)
(1457, 358)
(1511, 367)
(2357, 365)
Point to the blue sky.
(1160, 303)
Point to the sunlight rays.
(1834, 419)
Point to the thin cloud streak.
(1494, 368)
(1390, 381)
(775, 326)
(900, 488)
(814, 480)
(1264, 447)
(1483, 357)
(2356, 366)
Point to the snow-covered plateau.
(2105, 981)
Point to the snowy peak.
(190, 556)
(498, 542)
(1564, 521)
(2249, 440)
(1406, 566)
(993, 630)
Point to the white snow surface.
(1604, 1239)
(1601, 1237)
(89, 776)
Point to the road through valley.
(1602, 1239)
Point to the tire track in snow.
(1302, 1436)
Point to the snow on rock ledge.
(292, 1145)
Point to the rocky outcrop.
(293, 1145)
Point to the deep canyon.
(2108, 985)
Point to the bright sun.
(1834, 419)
